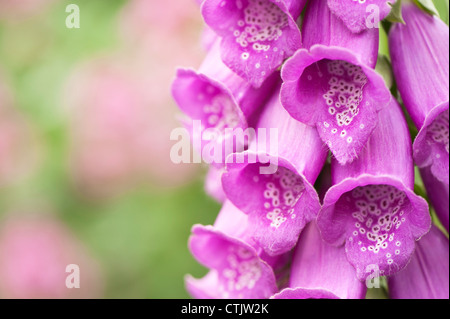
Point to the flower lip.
(214, 114)
(304, 293)
(344, 139)
(191, 90)
(356, 14)
(238, 265)
(424, 153)
(295, 66)
(201, 230)
(204, 288)
(279, 205)
(256, 35)
(347, 185)
(335, 229)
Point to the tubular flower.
(213, 184)
(438, 193)
(331, 83)
(426, 276)
(371, 205)
(279, 199)
(237, 269)
(314, 268)
(257, 35)
(420, 61)
(301, 77)
(218, 98)
(359, 15)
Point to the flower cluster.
(292, 224)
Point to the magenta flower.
(331, 83)
(420, 61)
(321, 271)
(438, 193)
(359, 15)
(427, 275)
(210, 98)
(257, 35)
(213, 184)
(281, 200)
(371, 205)
(219, 98)
(330, 99)
(236, 268)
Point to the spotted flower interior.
(210, 104)
(438, 133)
(378, 231)
(278, 205)
(344, 116)
(282, 191)
(241, 273)
(254, 35)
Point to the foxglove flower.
(208, 38)
(371, 205)
(321, 271)
(213, 184)
(279, 198)
(331, 83)
(427, 275)
(438, 193)
(420, 61)
(220, 99)
(257, 35)
(359, 15)
(237, 269)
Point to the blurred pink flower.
(19, 9)
(143, 18)
(34, 254)
(121, 116)
(18, 149)
(159, 36)
(119, 137)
